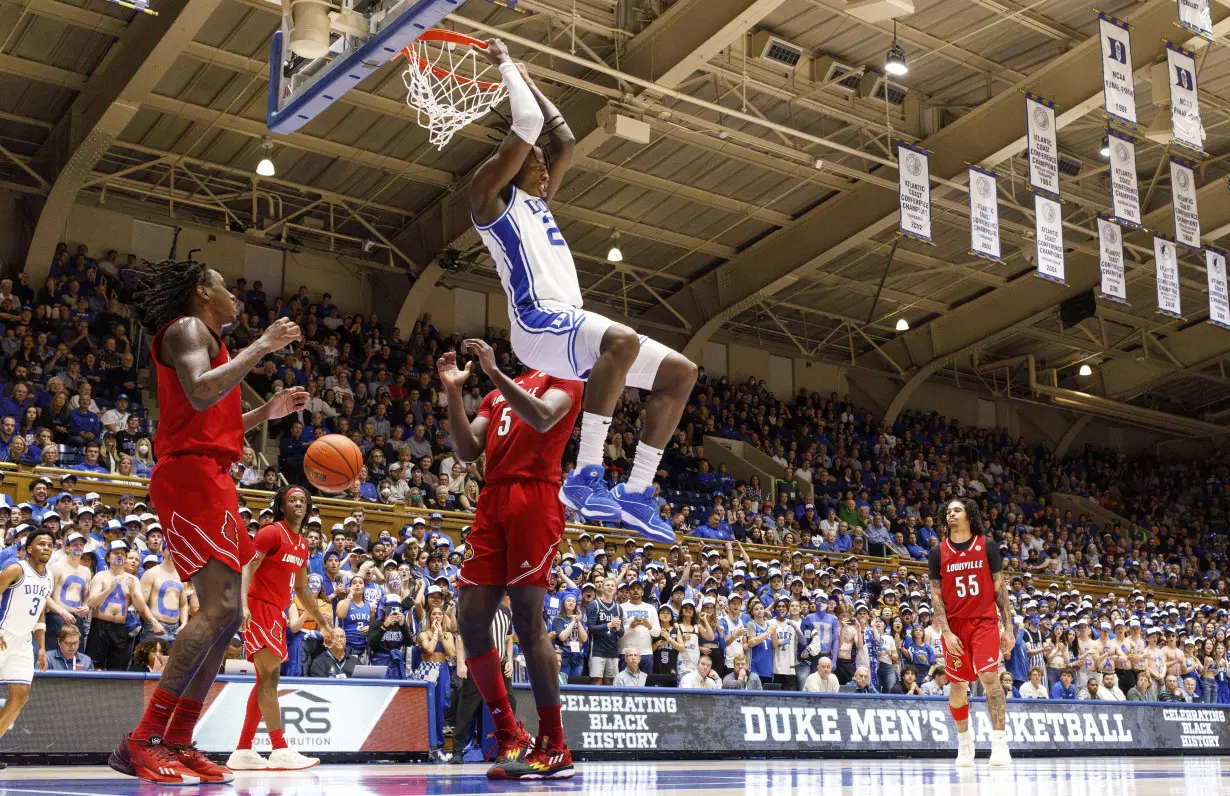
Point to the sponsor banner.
(983, 214)
(609, 722)
(914, 186)
(1048, 230)
(1183, 189)
(1110, 257)
(1042, 146)
(1194, 16)
(1118, 85)
(1124, 192)
(1219, 293)
(82, 716)
(1167, 263)
(1184, 102)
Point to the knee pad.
(961, 713)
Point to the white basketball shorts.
(565, 342)
(17, 661)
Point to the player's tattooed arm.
(541, 413)
(188, 345)
(939, 614)
(469, 437)
(1004, 601)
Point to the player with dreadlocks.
(967, 585)
(185, 306)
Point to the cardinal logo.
(954, 662)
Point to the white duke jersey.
(533, 260)
(22, 602)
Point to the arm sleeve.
(527, 119)
(933, 561)
(994, 560)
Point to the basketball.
(332, 463)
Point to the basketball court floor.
(1171, 776)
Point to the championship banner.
(1048, 229)
(1124, 192)
(1219, 292)
(1184, 101)
(983, 214)
(1183, 190)
(1042, 146)
(655, 722)
(1118, 86)
(1166, 258)
(914, 188)
(1194, 16)
(1110, 258)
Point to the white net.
(445, 85)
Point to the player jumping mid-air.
(522, 426)
(967, 585)
(278, 567)
(551, 333)
(184, 306)
(25, 586)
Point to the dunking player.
(966, 586)
(279, 566)
(523, 426)
(550, 331)
(184, 305)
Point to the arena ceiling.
(762, 209)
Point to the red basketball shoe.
(544, 762)
(195, 760)
(152, 761)
(509, 750)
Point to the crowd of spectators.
(797, 612)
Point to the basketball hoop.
(444, 83)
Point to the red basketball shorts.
(514, 537)
(979, 649)
(267, 630)
(198, 506)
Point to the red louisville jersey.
(515, 451)
(967, 579)
(218, 431)
(285, 554)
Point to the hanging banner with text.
(914, 186)
(1167, 261)
(1048, 227)
(983, 214)
(1124, 192)
(1183, 188)
(1042, 146)
(1219, 293)
(1194, 16)
(649, 723)
(1118, 85)
(1110, 258)
(1184, 101)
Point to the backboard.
(358, 44)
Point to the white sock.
(961, 736)
(594, 429)
(644, 467)
(999, 736)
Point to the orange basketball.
(332, 463)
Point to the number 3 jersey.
(515, 451)
(965, 571)
(534, 262)
(22, 602)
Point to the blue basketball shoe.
(639, 511)
(585, 492)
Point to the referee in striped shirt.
(467, 701)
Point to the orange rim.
(448, 37)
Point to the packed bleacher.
(809, 579)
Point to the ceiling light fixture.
(265, 167)
(903, 325)
(1105, 150)
(1086, 370)
(895, 64)
(615, 255)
